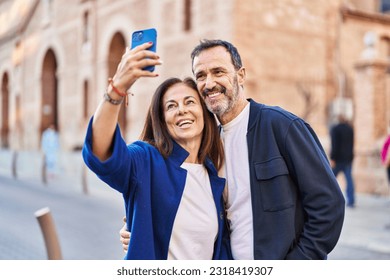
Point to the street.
(88, 224)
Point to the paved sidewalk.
(366, 231)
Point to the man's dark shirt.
(342, 143)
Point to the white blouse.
(195, 227)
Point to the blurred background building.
(314, 58)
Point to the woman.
(173, 195)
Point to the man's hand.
(124, 236)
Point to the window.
(86, 27)
(385, 6)
(86, 99)
(187, 15)
(47, 11)
(4, 112)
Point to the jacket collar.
(254, 110)
(179, 155)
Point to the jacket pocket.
(275, 183)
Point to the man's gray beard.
(226, 105)
(221, 108)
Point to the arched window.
(49, 103)
(117, 48)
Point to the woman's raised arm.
(105, 118)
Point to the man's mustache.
(220, 89)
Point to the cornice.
(349, 13)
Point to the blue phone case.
(140, 37)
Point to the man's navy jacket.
(298, 207)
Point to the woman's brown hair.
(155, 130)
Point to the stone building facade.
(313, 58)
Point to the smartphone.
(140, 37)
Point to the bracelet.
(112, 101)
(111, 82)
(117, 91)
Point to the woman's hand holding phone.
(133, 66)
(140, 37)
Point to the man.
(282, 199)
(341, 154)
